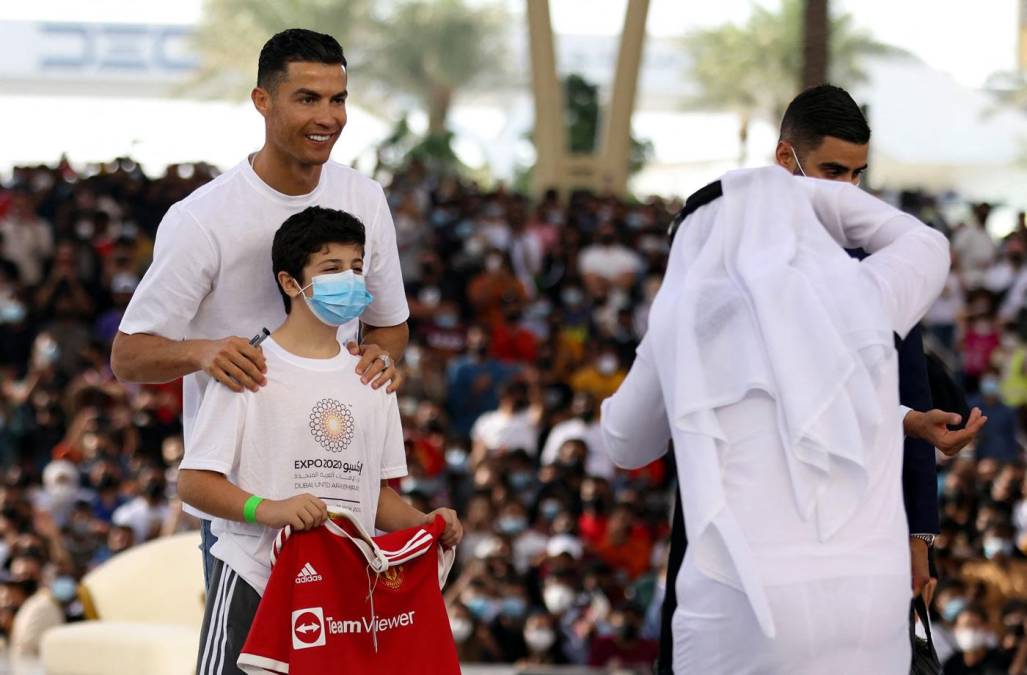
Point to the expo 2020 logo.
(331, 424)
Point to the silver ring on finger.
(386, 361)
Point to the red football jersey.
(339, 601)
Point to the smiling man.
(208, 288)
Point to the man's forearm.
(394, 513)
(152, 359)
(393, 339)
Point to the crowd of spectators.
(525, 314)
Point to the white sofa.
(146, 610)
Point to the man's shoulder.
(210, 193)
(206, 203)
(354, 180)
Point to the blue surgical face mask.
(512, 524)
(521, 480)
(994, 547)
(952, 609)
(990, 386)
(64, 589)
(338, 298)
(514, 607)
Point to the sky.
(968, 40)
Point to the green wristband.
(249, 509)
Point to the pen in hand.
(260, 337)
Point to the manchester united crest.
(393, 577)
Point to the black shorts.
(231, 606)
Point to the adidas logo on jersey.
(307, 575)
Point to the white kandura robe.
(770, 362)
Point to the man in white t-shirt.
(209, 288)
(512, 426)
(608, 264)
(314, 436)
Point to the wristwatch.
(926, 538)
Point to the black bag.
(925, 659)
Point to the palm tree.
(756, 69)
(231, 33)
(433, 48)
(815, 39)
(425, 49)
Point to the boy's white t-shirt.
(212, 277)
(314, 428)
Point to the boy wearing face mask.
(314, 436)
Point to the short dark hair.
(306, 233)
(822, 111)
(976, 610)
(295, 44)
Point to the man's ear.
(783, 156)
(261, 100)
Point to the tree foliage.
(421, 50)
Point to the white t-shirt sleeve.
(634, 425)
(588, 261)
(384, 277)
(184, 267)
(218, 430)
(394, 454)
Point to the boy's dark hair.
(295, 44)
(306, 233)
(821, 111)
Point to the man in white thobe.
(770, 363)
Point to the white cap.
(564, 543)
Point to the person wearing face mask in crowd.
(602, 376)
(508, 627)
(495, 287)
(61, 489)
(622, 646)
(512, 341)
(26, 238)
(473, 382)
(997, 440)
(626, 544)
(608, 265)
(541, 640)
(444, 333)
(1002, 575)
(582, 425)
(119, 538)
(977, 654)
(974, 247)
(474, 641)
(514, 425)
(949, 601)
(147, 511)
(40, 612)
(1001, 277)
(980, 337)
